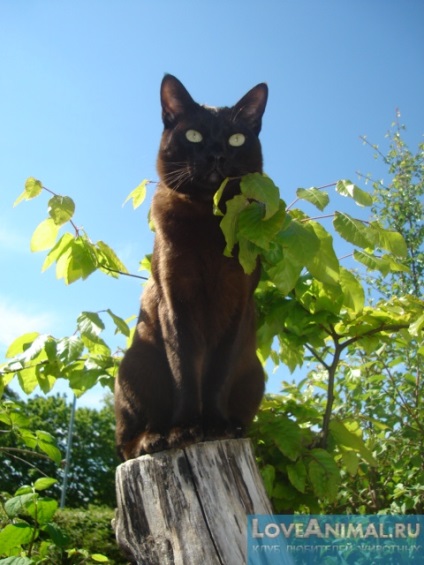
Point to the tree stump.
(189, 506)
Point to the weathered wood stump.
(189, 506)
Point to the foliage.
(29, 534)
(322, 443)
(91, 528)
(375, 388)
(91, 476)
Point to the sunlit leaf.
(229, 221)
(253, 226)
(90, 323)
(352, 230)
(248, 255)
(121, 325)
(15, 535)
(389, 239)
(287, 437)
(44, 483)
(109, 262)
(69, 349)
(354, 295)
(217, 197)
(44, 236)
(324, 264)
(28, 379)
(262, 189)
(21, 344)
(61, 209)
(138, 194)
(33, 187)
(314, 196)
(347, 188)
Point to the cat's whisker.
(176, 178)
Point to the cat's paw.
(182, 436)
(147, 442)
(223, 430)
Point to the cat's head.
(201, 146)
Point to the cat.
(192, 373)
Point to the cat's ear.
(175, 100)
(251, 107)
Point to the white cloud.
(13, 241)
(18, 320)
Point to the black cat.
(192, 372)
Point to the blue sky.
(80, 111)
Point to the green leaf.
(297, 475)
(390, 240)
(58, 250)
(46, 443)
(248, 255)
(44, 236)
(82, 380)
(323, 474)
(21, 344)
(43, 510)
(17, 505)
(353, 231)
(109, 262)
(44, 483)
(17, 561)
(90, 324)
(15, 535)
(69, 349)
(14, 418)
(138, 194)
(59, 538)
(33, 187)
(229, 221)
(268, 477)
(61, 209)
(81, 260)
(27, 379)
(314, 196)
(351, 462)
(416, 327)
(324, 264)
(95, 345)
(217, 197)
(121, 325)
(253, 226)
(261, 188)
(347, 188)
(283, 273)
(354, 295)
(383, 264)
(99, 558)
(348, 438)
(288, 437)
(299, 243)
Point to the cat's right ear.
(175, 100)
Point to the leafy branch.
(76, 256)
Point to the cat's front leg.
(186, 358)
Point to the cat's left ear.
(175, 100)
(251, 107)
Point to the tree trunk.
(189, 506)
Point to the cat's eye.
(194, 136)
(236, 140)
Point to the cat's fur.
(192, 372)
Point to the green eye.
(193, 136)
(236, 140)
